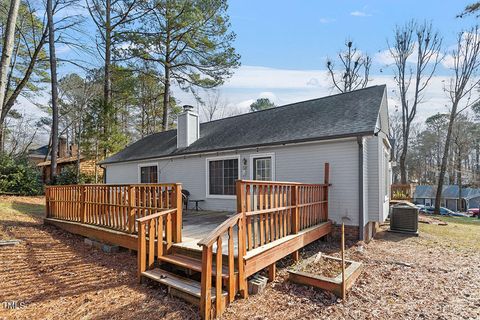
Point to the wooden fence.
(267, 211)
(115, 206)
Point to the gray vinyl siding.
(366, 202)
(373, 147)
(299, 162)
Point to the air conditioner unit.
(404, 219)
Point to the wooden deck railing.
(114, 206)
(267, 211)
(157, 228)
(225, 231)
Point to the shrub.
(19, 176)
(68, 175)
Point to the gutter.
(361, 224)
(244, 147)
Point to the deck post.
(295, 217)
(177, 218)
(206, 283)
(131, 210)
(141, 251)
(242, 250)
(83, 208)
(326, 181)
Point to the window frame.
(143, 165)
(207, 176)
(262, 155)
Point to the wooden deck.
(177, 249)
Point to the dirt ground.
(53, 275)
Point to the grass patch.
(22, 205)
(460, 233)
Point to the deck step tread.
(180, 283)
(191, 263)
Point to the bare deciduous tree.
(354, 71)
(214, 106)
(7, 48)
(466, 62)
(54, 86)
(421, 44)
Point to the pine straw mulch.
(58, 277)
(323, 266)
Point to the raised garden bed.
(325, 272)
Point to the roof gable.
(341, 115)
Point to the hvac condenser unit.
(404, 219)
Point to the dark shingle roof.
(42, 151)
(341, 115)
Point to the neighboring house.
(287, 143)
(426, 195)
(67, 155)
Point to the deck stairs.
(181, 273)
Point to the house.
(67, 156)
(426, 195)
(287, 143)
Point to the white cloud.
(326, 20)
(360, 14)
(287, 86)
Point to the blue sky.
(300, 34)
(284, 46)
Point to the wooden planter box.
(331, 284)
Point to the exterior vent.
(404, 219)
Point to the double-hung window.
(149, 174)
(262, 167)
(222, 174)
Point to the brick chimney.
(62, 147)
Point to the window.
(262, 169)
(262, 166)
(222, 175)
(149, 174)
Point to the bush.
(19, 176)
(68, 175)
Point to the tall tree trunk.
(459, 179)
(403, 159)
(166, 99)
(107, 86)
(53, 75)
(107, 83)
(446, 151)
(6, 57)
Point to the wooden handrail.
(286, 183)
(113, 185)
(220, 230)
(156, 215)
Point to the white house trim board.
(262, 155)
(149, 164)
(207, 176)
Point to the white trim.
(262, 155)
(148, 164)
(207, 175)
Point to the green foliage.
(262, 104)
(68, 175)
(190, 38)
(19, 176)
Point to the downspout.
(361, 227)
